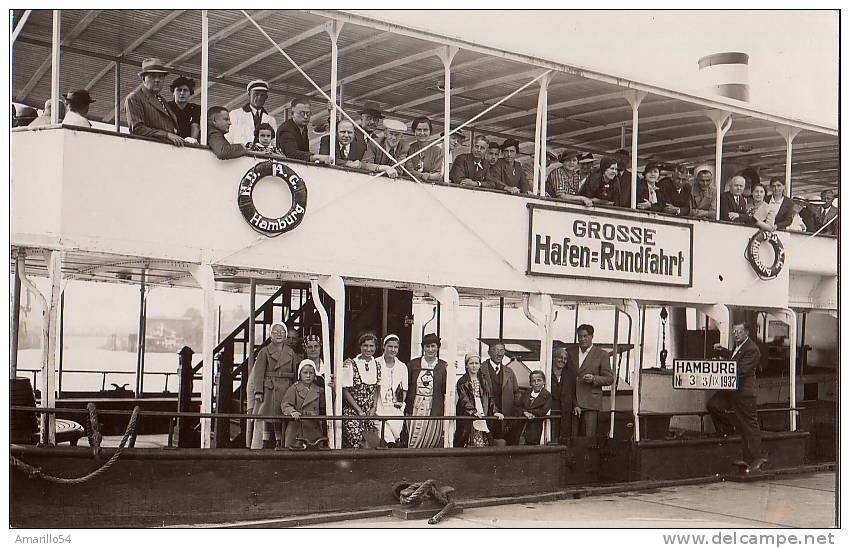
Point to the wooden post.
(61, 338)
(48, 373)
(248, 365)
(224, 396)
(15, 314)
(183, 433)
(54, 67)
(205, 73)
(117, 105)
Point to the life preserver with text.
(754, 255)
(297, 188)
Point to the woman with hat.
(426, 377)
(473, 400)
(304, 399)
(273, 374)
(148, 114)
(512, 176)
(77, 103)
(393, 389)
(648, 192)
(188, 114)
(360, 381)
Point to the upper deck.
(114, 204)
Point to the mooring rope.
(411, 494)
(34, 472)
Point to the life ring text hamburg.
(297, 188)
(755, 256)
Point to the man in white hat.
(376, 161)
(703, 205)
(147, 112)
(245, 121)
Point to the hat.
(567, 154)
(585, 158)
(152, 64)
(459, 134)
(371, 107)
(304, 363)
(650, 166)
(79, 97)
(258, 85)
(391, 337)
(283, 325)
(704, 167)
(510, 142)
(430, 338)
(395, 125)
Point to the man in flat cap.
(147, 112)
(77, 105)
(245, 121)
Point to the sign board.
(607, 246)
(705, 375)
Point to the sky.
(793, 66)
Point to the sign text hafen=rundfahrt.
(568, 243)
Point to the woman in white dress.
(393, 389)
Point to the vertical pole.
(249, 398)
(326, 356)
(335, 29)
(538, 186)
(789, 134)
(635, 311)
(184, 397)
(447, 298)
(117, 106)
(446, 56)
(615, 363)
(15, 313)
(205, 278)
(205, 74)
(385, 303)
(54, 67)
(140, 342)
(635, 98)
(48, 373)
(218, 326)
(501, 318)
(722, 122)
(61, 338)
(480, 325)
(792, 369)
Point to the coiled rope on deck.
(34, 472)
(411, 494)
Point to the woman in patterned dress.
(473, 400)
(361, 379)
(427, 394)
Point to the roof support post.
(635, 98)
(722, 122)
(205, 277)
(631, 308)
(246, 374)
(540, 309)
(789, 316)
(15, 312)
(788, 133)
(333, 33)
(540, 134)
(140, 340)
(117, 106)
(446, 55)
(326, 356)
(205, 78)
(449, 301)
(54, 67)
(334, 286)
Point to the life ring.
(297, 188)
(753, 254)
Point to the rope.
(93, 431)
(413, 494)
(34, 472)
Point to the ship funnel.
(726, 74)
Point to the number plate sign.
(705, 375)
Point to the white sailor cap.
(395, 125)
(261, 85)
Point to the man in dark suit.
(470, 169)
(785, 213)
(594, 372)
(349, 153)
(742, 401)
(148, 114)
(826, 213)
(504, 387)
(676, 195)
(733, 204)
(292, 136)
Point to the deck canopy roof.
(401, 72)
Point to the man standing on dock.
(742, 401)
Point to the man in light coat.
(245, 121)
